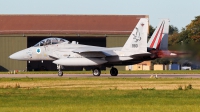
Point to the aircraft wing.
(89, 49)
(104, 51)
(99, 51)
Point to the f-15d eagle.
(65, 53)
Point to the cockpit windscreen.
(50, 41)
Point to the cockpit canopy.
(50, 41)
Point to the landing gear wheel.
(60, 73)
(96, 72)
(113, 71)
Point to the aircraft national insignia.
(137, 37)
(38, 50)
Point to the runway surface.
(102, 75)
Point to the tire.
(96, 72)
(60, 73)
(113, 72)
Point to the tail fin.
(137, 41)
(159, 39)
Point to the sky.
(180, 12)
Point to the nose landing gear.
(60, 73)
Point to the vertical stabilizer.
(137, 41)
(159, 39)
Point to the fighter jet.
(65, 53)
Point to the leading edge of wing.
(105, 51)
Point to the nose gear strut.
(60, 73)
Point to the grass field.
(99, 95)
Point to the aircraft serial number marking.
(134, 45)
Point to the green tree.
(188, 35)
(172, 29)
(173, 35)
(194, 29)
(151, 30)
(164, 61)
(173, 39)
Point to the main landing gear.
(96, 72)
(60, 73)
(113, 71)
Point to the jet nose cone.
(11, 56)
(16, 56)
